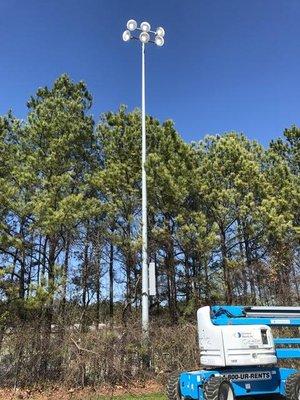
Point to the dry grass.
(148, 391)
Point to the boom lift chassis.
(240, 356)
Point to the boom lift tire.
(173, 387)
(292, 387)
(218, 388)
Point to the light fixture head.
(159, 40)
(131, 25)
(160, 31)
(144, 37)
(126, 36)
(145, 26)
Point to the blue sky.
(227, 64)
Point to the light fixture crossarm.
(146, 34)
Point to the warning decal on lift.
(249, 376)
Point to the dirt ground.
(79, 394)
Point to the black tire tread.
(211, 388)
(173, 392)
(290, 386)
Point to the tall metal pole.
(157, 38)
(145, 282)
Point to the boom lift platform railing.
(239, 355)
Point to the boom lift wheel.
(173, 387)
(292, 387)
(218, 388)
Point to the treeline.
(223, 214)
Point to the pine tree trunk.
(85, 285)
(187, 278)
(49, 307)
(226, 271)
(111, 280)
(65, 279)
(171, 273)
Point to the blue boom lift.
(239, 355)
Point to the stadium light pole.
(145, 35)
